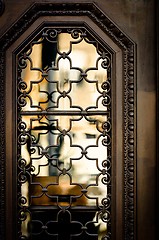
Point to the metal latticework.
(64, 136)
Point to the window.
(64, 135)
(68, 158)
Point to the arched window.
(64, 135)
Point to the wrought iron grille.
(64, 136)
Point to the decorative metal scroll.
(64, 136)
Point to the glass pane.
(64, 135)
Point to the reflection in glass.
(64, 129)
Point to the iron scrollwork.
(70, 128)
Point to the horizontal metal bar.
(73, 208)
(64, 113)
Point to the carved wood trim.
(2, 144)
(128, 48)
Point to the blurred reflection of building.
(83, 93)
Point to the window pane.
(64, 135)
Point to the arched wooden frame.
(124, 49)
